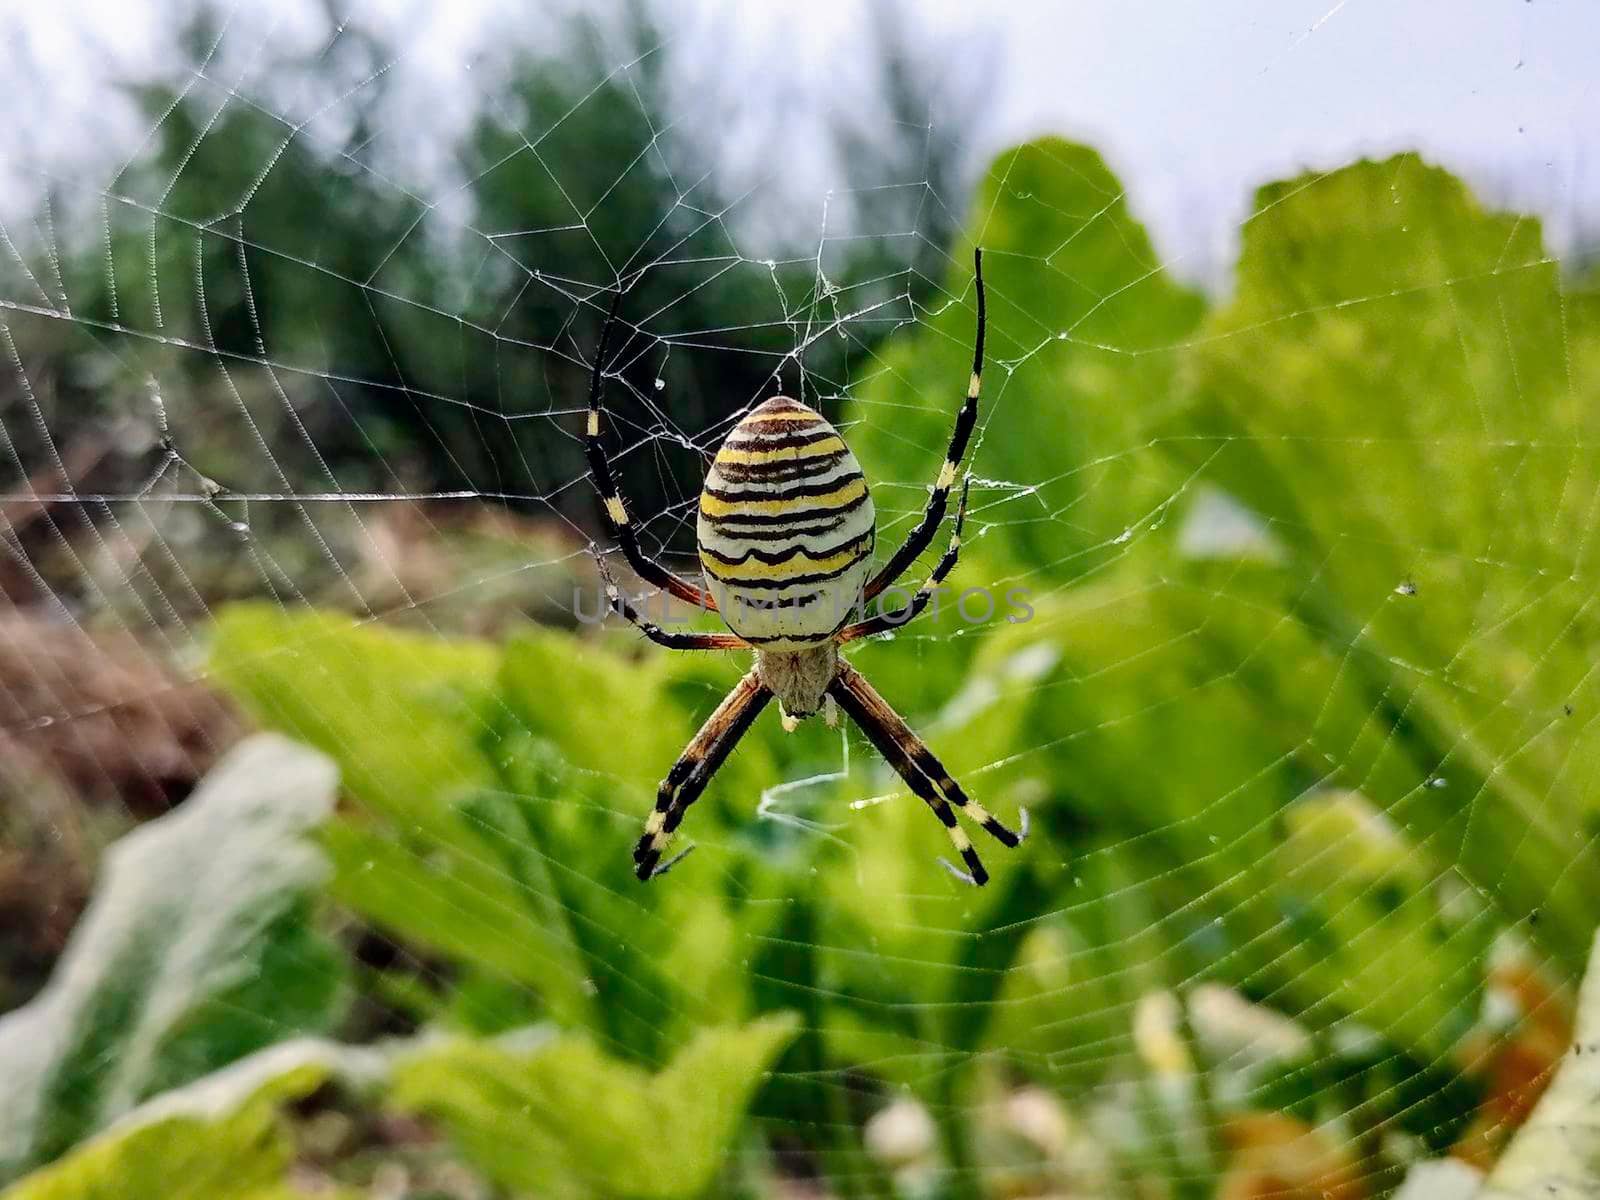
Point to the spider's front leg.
(883, 622)
(706, 751)
(921, 537)
(612, 507)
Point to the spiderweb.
(1300, 507)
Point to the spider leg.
(883, 622)
(616, 512)
(919, 783)
(921, 537)
(923, 773)
(706, 751)
(687, 640)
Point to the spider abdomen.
(786, 527)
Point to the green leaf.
(564, 1119)
(1235, 827)
(1403, 387)
(194, 950)
(1086, 337)
(453, 897)
(403, 715)
(606, 712)
(1084, 329)
(218, 1138)
(241, 1157)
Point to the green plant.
(1303, 714)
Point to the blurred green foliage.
(565, 1120)
(239, 1149)
(431, 345)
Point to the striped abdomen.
(786, 527)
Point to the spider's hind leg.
(916, 764)
(934, 769)
(706, 751)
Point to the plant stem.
(960, 1177)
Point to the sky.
(1194, 105)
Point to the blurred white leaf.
(192, 952)
(1556, 1155)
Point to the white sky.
(1193, 104)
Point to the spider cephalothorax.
(786, 533)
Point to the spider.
(785, 535)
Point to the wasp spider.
(786, 532)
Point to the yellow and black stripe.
(786, 526)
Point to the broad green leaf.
(240, 1157)
(499, 806)
(218, 1138)
(404, 716)
(1084, 329)
(1086, 332)
(456, 897)
(564, 1119)
(411, 720)
(194, 951)
(606, 712)
(1556, 1155)
(1254, 716)
(1403, 386)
